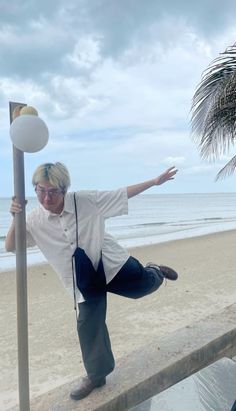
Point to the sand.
(207, 284)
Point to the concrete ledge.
(153, 368)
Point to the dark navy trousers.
(132, 281)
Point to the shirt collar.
(69, 206)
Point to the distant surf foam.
(153, 218)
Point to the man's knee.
(155, 280)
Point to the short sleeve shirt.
(55, 234)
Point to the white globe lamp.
(28, 132)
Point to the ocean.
(153, 218)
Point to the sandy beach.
(207, 284)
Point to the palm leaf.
(227, 170)
(214, 108)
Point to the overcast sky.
(113, 80)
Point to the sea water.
(152, 218)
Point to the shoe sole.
(82, 396)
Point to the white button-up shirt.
(55, 234)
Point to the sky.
(114, 81)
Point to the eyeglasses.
(54, 192)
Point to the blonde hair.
(55, 173)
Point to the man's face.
(51, 198)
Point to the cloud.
(86, 53)
(121, 23)
(113, 80)
(32, 50)
(199, 169)
(61, 54)
(169, 161)
(40, 38)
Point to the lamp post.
(28, 133)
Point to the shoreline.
(207, 284)
(181, 239)
(131, 248)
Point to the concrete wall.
(153, 368)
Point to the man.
(66, 223)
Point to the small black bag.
(90, 282)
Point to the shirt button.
(65, 229)
(71, 243)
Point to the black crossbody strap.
(76, 219)
(73, 265)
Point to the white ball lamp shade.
(29, 133)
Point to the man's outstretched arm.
(161, 179)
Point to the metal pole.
(21, 274)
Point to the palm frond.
(227, 170)
(214, 106)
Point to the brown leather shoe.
(85, 388)
(167, 272)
